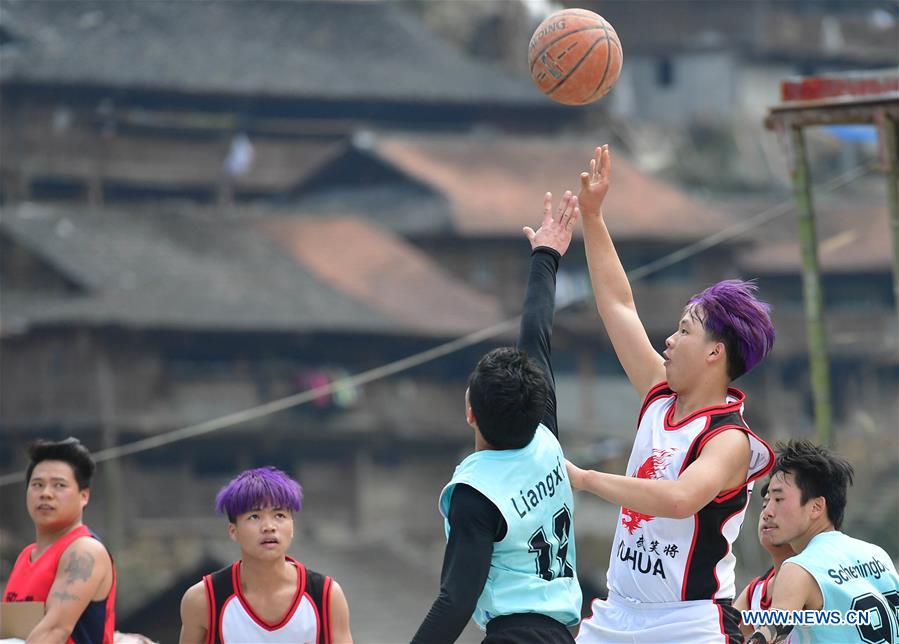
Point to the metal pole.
(889, 135)
(811, 288)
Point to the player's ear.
(470, 419)
(819, 507)
(717, 352)
(232, 531)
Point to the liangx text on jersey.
(543, 488)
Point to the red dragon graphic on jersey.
(649, 470)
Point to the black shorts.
(526, 628)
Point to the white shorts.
(693, 622)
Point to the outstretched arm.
(548, 244)
(722, 465)
(614, 299)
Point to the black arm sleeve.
(475, 523)
(537, 322)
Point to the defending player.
(671, 573)
(510, 556)
(757, 594)
(832, 571)
(266, 596)
(67, 566)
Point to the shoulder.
(468, 501)
(194, 599)
(794, 572)
(473, 513)
(336, 592)
(88, 551)
(729, 436)
(728, 445)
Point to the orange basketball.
(575, 57)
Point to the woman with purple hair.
(694, 459)
(266, 596)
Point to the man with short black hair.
(758, 592)
(510, 556)
(832, 571)
(67, 566)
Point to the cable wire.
(404, 364)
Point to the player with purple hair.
(694, 459)
(266, 596)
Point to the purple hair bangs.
(259, 488)
(731, 311)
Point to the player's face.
(264, 534)
(764, 532)
(53, 499)
(686, 350)
(785, 518)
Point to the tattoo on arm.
(63, 596)
(768, 634)
(80, 567)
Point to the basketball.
(575, 57)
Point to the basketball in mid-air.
(575, 57)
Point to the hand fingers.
(575, 215)
(585, 180)
(564, 203)
(606, 161)
(565, 217)
(593, 175)
(547, 208)
(529, 233)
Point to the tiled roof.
(167, 163)
(377, 268)
(154, 269)
(332, 50)
(495, 185)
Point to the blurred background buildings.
(207, 206)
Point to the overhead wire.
(428, 355)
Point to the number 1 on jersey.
(543, 549)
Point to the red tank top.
(31, 581)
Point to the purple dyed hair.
(731, 313)
(259, 488)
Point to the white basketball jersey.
(759, 598)
(657, 559)
(232, 620)
(240, 624)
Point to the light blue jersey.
(533, 567)
(852, 575)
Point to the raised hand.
(555, 231)
(595, 183)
